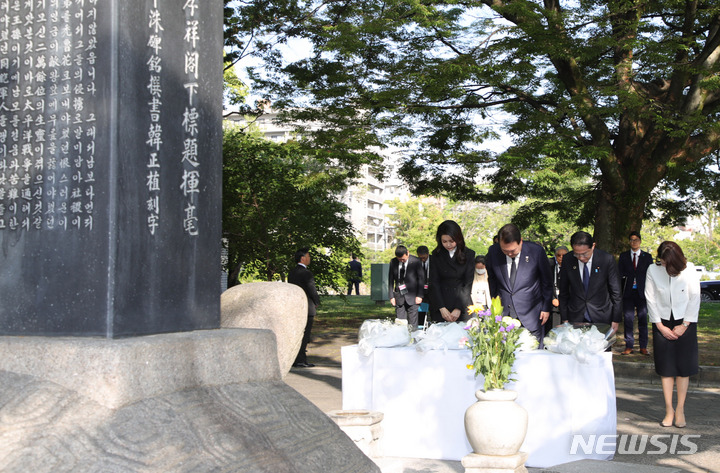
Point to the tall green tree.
(276, 200)
(415, 222)
(612, 105)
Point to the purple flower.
(510, 327)
(502, 329)
(498, 318)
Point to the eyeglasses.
(587, 254)
(635, 239)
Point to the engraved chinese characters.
(110, 166)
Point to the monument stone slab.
(110, 166)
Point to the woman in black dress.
(672, 290)
(451, 274)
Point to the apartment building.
(366, 198)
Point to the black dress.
(676, 357)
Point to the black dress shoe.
(303, 365)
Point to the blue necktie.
(586, 283)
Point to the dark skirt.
(676, 357)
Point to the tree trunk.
(613, 222)
(621, 202)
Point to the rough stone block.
(117, 372)
(276, 306)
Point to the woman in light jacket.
(672, 290)
(480, 285)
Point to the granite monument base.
(183, 402)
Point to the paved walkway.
(639, 410)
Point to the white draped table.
(424, 395)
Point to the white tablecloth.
(424, 395)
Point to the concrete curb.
(644, 373)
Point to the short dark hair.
(673, 256)
(509, 233)
(581, 239)
(300, 253)
(401, 251)
(634, 233)
(423, 250)
(480, 259)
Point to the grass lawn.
(343, 315)
(709, 334)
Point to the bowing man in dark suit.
(451, 274)
(407, 283)
(632, 266)
(518, 272)
(301, 276)
(555, 265)
(423, 253)
(589, 284)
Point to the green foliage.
(276, 200)
(415, 222)
(234, 90)
(604, 102)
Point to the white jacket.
(679, 295)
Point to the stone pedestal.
(363, 427)
(209, 400)
(475, 463)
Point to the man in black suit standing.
(423, 253)
(555, 265)
(632, 266)
(518, 272)
(589, 284)
(407, 283)
(355, 269)
(301, 276)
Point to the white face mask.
(480, 271)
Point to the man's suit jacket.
(414, 280)
(426, 292)
(355, 268)
(532, 292)
(301, 276)
(602, 301)
(628, 273)
(451, 282)
(555, 278)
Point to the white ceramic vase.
(496, 424)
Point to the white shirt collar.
(589, 264)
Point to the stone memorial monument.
(110, 166)
(111, 353)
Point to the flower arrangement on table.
(493, 340)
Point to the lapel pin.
(527, 259)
